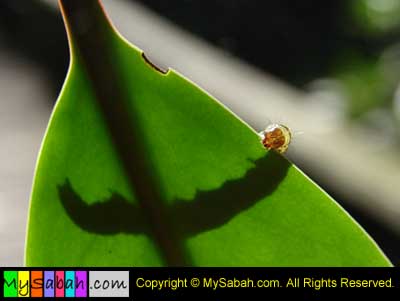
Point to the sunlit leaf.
(143, 168)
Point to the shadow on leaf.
(207, 211)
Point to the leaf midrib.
(90, 46)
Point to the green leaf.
(143, 168)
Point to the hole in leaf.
(152, 65)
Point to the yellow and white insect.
(276, 137)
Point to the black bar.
(245, 283)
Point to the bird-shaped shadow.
(208, 209)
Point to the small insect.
(276, 137)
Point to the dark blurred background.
(352, 46)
